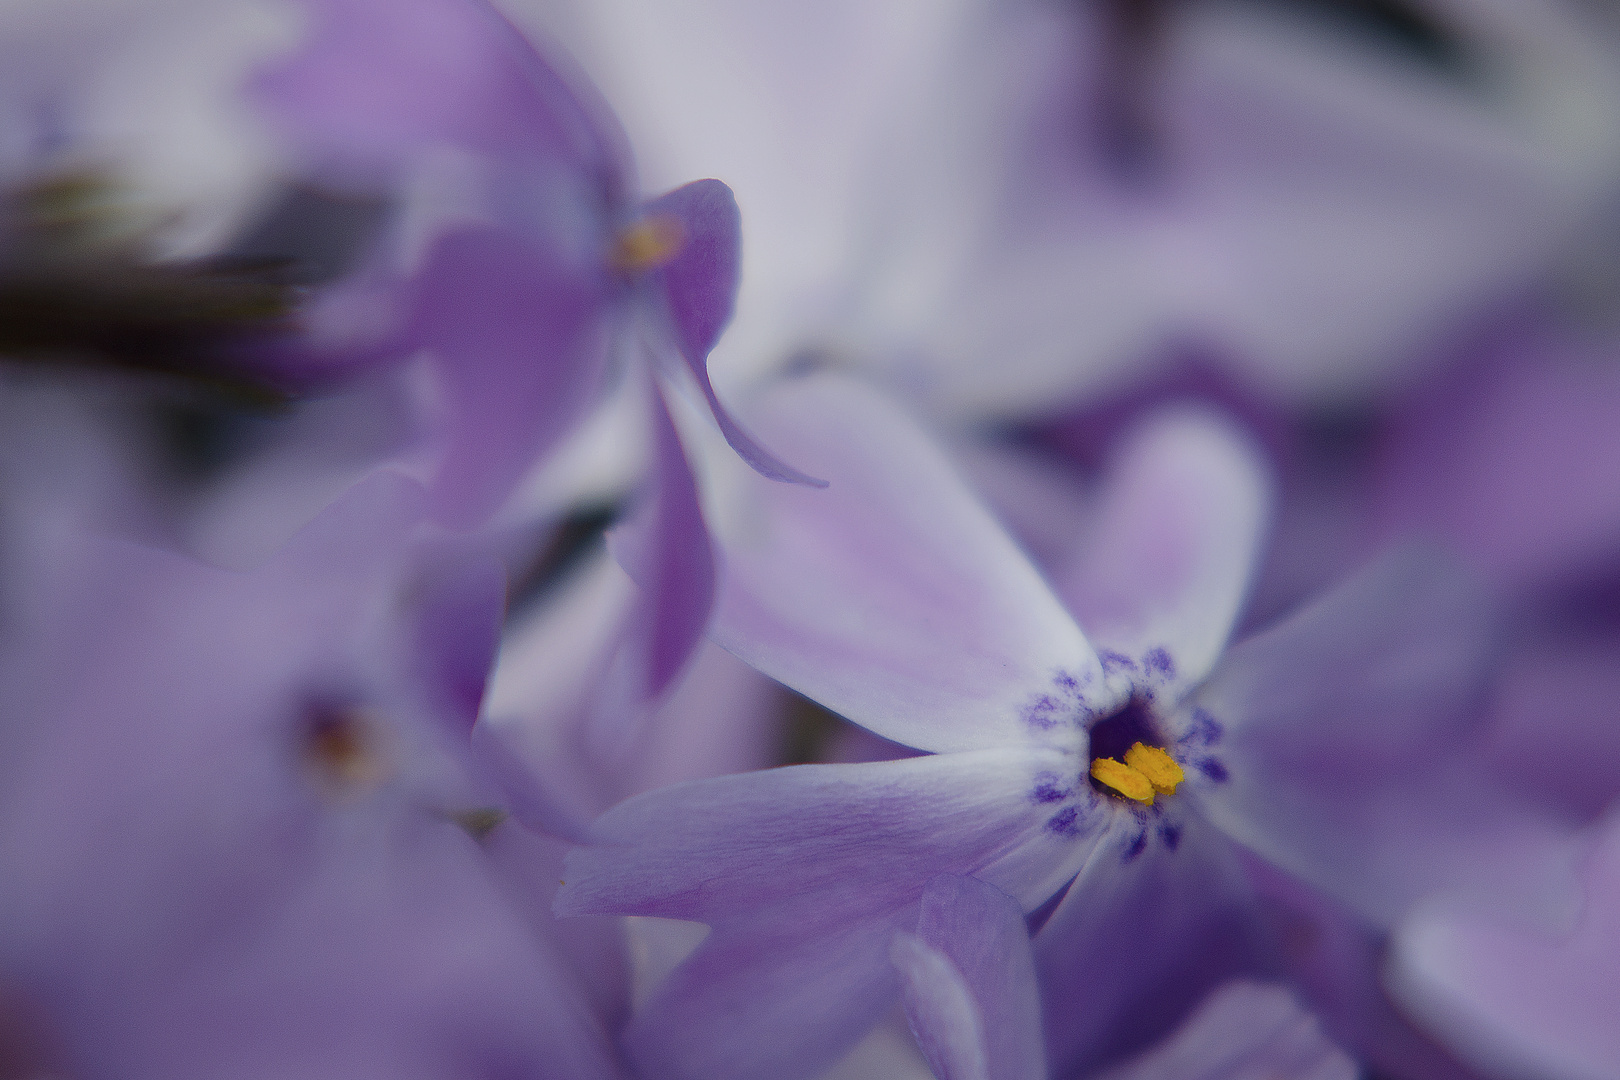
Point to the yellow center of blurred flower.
(344, 748)
(647, 245)
(1146, 771)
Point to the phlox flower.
(242, 831)
(525, 256)
(1082, 191)
(1125, 759)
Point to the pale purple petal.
(945, 1019)
(518, 342)
(826, 843)
(700, 291)
(1384, 665)
(1520, 1000)
(666, 551)
(969, 982)
(456, 618)
(763, 1000)
(1143, 933)
(1244, 1031)
(1344, 757)
(374, 83)
(1178, 538)
(893, 597)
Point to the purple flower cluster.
(1138, 597)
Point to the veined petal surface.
(817, 845)
(892, 597)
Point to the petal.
(377, 82)
(1388, 663)
(892, 597)
(945, 1018)
(1518, 1000)
(762, 1000)
(666, 551)
(1553, 694)
(1342, 746)
(1143, 933)
(456, 627)
(828, 843)
(1244, 1030)
(1186, 507)
(700, 292)
(1334, 959)
(518, 340)
(969, 982)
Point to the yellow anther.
(1159, 767)
(1123, 779)
(648, 244)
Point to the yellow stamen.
(648, 244)
(1123, 779)
(1159, 767)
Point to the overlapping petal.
(519, 340)
(699, 287)
(1143, 933)
(1345, 757)
(1244, 1030)
(969, 982)
(759, 999)
(1179, 532)
(1520, 1000)
(817, 844)
(892, 597)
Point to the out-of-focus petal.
(1553, 696)
(1345, 757)
(700, 291)
(969, 983)
(1139, 938)
(456, 627)
(1177, 542)
(518, 339)
(1510, 460)
(762, 1000)
(1390, 662)
(230, 835)
(1517, 1000)
(820, 844)
(376, 82)
(893, 597)
(1242, 1031)
(666, 551)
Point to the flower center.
(648, 244)
(1146, 771)
(1127, 755)
(343, 746)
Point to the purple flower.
(519, 300)
(240, 820)
(894, 599)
